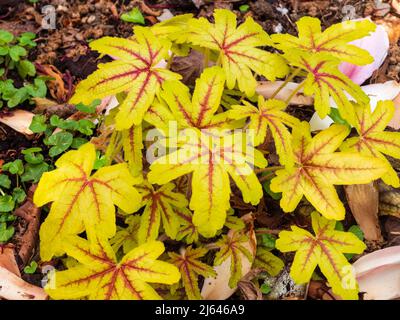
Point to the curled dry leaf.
(247, 287)
(31, 214)
(18, 120)
(363, 200)
(56, 85)
(378, 274)
(189, 67)
(267, 89)
(218, 288)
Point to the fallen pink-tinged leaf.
(389, 90)
(377, 44)
(19, 120)
(13, 287)
(378, 274)
(390, 255)
(382, 283)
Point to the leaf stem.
(288, 79)
(267, 169)
(114, 146)
(297, 89)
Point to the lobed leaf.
(237, 48)
(334, 41)
(81, 201)
(373, 140)
(325, 81)
(318, 168)
(99, 276)
(324, 249)
(190, 267)
(211, 160)
(136, 71)
(269, 114)
(232, 246)
(160, 205)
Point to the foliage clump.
(178, 155)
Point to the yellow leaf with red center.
(137, 71)
(267, 261)
(190, 267)
(99, 276)
(81, 201)
(318, 168)
(160, 206)
(324, 249)
(200, 110)
(237, 48)
(233, 246)
(269, 114)
(132, 141)
(211, 159)
(333, 41)
(187, 231)
(373, 139)
(324, 81)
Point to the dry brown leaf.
(31, 216)
(189, 67)
(7, 259)
(392, 25)
(13, 287)
(363, 200)
(247, 287)
(56, 86)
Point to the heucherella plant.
(183, 163)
